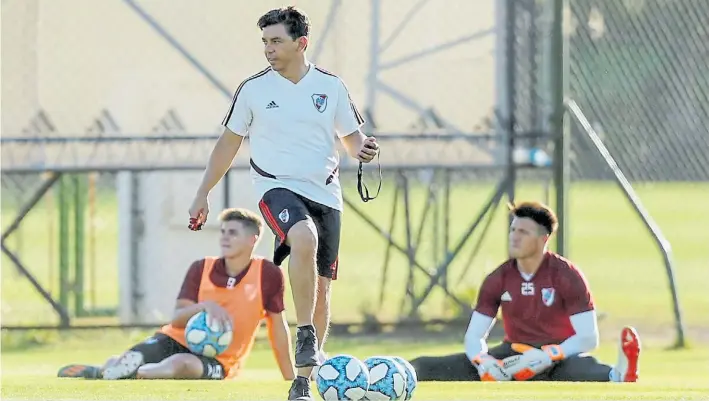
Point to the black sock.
(308, 327)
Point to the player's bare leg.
(179, 366)
(321, 317)
(626, 369)
(303, 241)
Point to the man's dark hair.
(537, 211)
(296, 21)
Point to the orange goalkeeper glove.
(531, 361)
(490, 369)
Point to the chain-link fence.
(167, 68)
(66, 243)
(638, 71)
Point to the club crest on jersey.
(548, 296)
(320, 101)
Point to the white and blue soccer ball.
(387, 379)
(411, 378)
(342, 377)
(206, 336)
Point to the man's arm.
(236, 126)
(279, 335)
(488, 367)
(220, 160)
(188, 304)
(476, 335)
(483, 317)
(273, 292)
(578, 302)
(586, 338)
(348, 122)
(353, 143)
(184, 310)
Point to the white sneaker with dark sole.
(125, 367)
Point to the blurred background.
(598, 107)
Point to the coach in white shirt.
(293, 111)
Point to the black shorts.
(161, 346)
(457, 367)
(282, 208)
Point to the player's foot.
(626, 370)
(125, 367)
(306, 348)
(80, 371)
(300, 390)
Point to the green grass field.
(609, 243)
(29, 374)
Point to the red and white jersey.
(293, 129)
(537, 309)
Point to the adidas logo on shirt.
(506, 297)
(271, 105)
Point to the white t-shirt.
(293, 129)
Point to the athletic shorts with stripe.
(282, 209)
(160, 347)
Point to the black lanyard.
(362, 186)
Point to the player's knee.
(303, 239)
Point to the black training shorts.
(161, 346)
(282, 209)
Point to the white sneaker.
(125, 367)
(626, 370)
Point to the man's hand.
(198, 212)
(215, 311)
(531, 361)
(490, 369)
(369, 150)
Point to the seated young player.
(548, 316)
(237, 288)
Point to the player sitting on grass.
(548, 315)
(239, 289)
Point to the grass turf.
(607, 241)
(29, 374)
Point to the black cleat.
(300, 390)
(306, 348)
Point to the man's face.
(526, 238)
(236, 239)
(279, 48)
